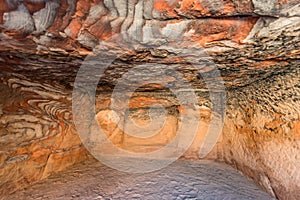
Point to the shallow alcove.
(223, 74)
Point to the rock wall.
(37, 136)
(261, 134)
(253, 44)
(131, 132)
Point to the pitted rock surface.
(181, 180)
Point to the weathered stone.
(254, 45)
(182, 179)
(261, 136)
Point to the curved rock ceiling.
(248, 41)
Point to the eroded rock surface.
(181, 180)
(254, 45)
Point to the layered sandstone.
(254, 45)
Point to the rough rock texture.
(261, 134)
(254, 45)
(181, 180)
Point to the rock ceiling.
(247, 41)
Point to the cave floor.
(181, 180)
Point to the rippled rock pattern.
(254, 44)
(181, 180)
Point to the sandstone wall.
(254, 45)
(131, 132)
(261, 134)
(37, 136)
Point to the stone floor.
(180, 180)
